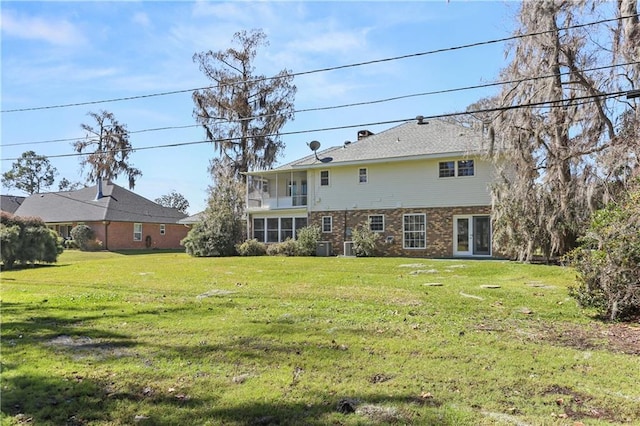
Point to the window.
(447, 169)
(272, 230)
(465, 168)
(137, 232)
(163, 229)
(326, 224)
(376, 222)
(324, 178)
(414, 231)
(300, 222)
(286, 228)
(258, 229)
(362, 175)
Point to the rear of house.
(423, 186)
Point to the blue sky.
(72, 52)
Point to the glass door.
(462, 235)
(481, 235)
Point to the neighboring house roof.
(432, 138)
(10, 203)
(117, 204)
(195, 218)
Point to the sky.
(61, 53)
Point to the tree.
(174, 200)
(27, 240)
(551, 157)
(30, 173)
(242, 112)
(109, 148)
(222, 227)
(608, 262)
(66, 185)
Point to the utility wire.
(550, 104)
(372, 102)
(338, 67)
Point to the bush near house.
(365, 241)
(308, 238)
(251, 248)
(82, 235)
(27, 240)
(288, 247)
(608, 262)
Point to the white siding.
(409, 184)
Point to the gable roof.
(117, 204)
(432, 138)
(10, 203)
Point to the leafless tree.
(108, 146)
(242, 112)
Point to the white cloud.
(142, 19)
(56, 32)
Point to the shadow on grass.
(76, 400)
(147, 251)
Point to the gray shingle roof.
(435, 138)
(10, 203)
(117, 204)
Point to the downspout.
(106, 234)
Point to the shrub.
(221, 229)
(288, 247)
(251, 248)
(82, 235)
(308, 238)
(27, 240)
(365, 241)
(608, 261)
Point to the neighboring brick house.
(119, 218)
(423, 185)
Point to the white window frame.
(330, 223)
(163, 229)
(371, 223)
(328, 182)
(137, 235)
(363, 177)
(441, 169)
(405, 232)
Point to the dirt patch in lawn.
(621, 338)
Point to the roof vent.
(420, 119)
(363, 134)
(346, 144)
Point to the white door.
(471, 235)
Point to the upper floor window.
(456, 168)
(362, 175)
(447, 169)
(137, 232)
(376, 222)
(465, 168)
(326, 224)
(324, 178)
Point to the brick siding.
(439, 228)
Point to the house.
(10, 203)
(422, 185)
(119, 218)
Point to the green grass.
(165, 339)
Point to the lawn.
(166, 339)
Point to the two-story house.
(423, 185)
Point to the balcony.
(271, 191)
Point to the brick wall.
(439, 228)
(119, 235)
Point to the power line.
(561, 102)
(334, 68)
(372, 102)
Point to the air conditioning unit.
(323, 248)
(348, 248)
